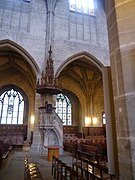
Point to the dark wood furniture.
(70, 129)
(82, 169)
(16, 134)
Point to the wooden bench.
(90, 169)
(5, 149)
(61, 171)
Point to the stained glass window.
(63, 109)
(11, 107)
(82, 6)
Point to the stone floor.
(13, 166)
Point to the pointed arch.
(79, 55)
(6, 43)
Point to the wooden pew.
(90, 169)
(61, 171)
(5, 148)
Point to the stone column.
(110, 122)
(50, 6)
(121, 31)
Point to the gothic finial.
(48, 83)
(50, 50)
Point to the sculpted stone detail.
(51, 128)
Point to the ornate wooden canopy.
(48, 84)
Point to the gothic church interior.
(67, 78)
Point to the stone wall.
(26, 23)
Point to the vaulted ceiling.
(82, 75)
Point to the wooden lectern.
(53, 150)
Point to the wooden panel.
(86, 131)
(13, 130)
(94, 131)
(70, 129)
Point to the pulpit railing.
(49, 119)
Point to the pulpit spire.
(48, 84)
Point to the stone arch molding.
(79, 55)
(17, 48)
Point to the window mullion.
(62, 110)
(18, 112)
(67, 114)
(1, 112)
(7, 107)
(12, 110)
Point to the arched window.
(82, 6)
(11, 107)
(63, 109)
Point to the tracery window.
(11, 107)
(63, 109)
(82, 6)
